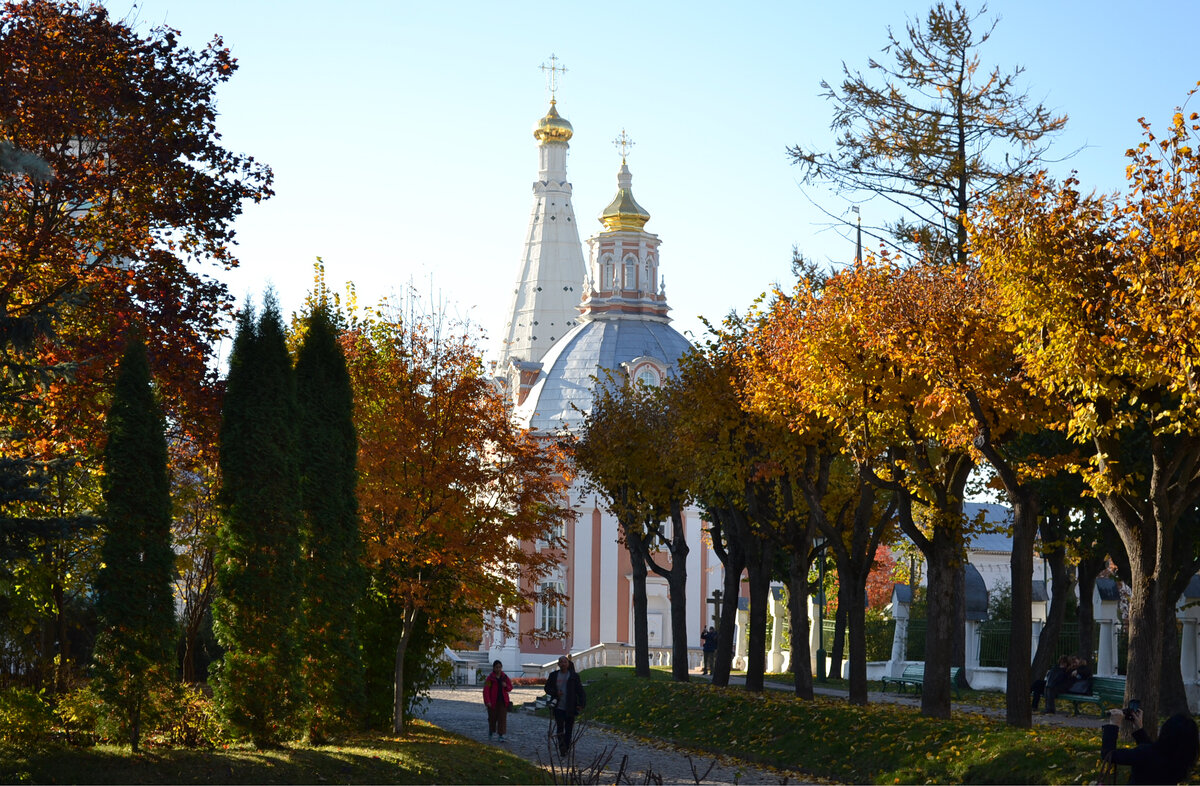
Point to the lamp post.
(819, 543)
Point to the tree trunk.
(410, 623)
(1018, 708)
(1171, 692)
(1059, 580)
(1147, 604)
(839, 634)
(802, 676)
(759, 569)
(943, 560)
(734, 562)
(636, 544)
(1085, 613)
(677, 586)
(854, 601)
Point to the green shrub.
(25, 718)
(189, 720)
(78, 716)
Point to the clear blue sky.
(400, 132)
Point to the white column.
(972, 644)
(814, 635)
(1187, 651)
(742, 640)
(1106, 659)
(778, 613)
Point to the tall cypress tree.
(334, 578)
(258, 543)
(135, 602)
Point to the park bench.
(1106, 692)
(914, 674)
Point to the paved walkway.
(461, 710)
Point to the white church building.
(568, 323)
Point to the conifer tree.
(134, 596)
(258, 544)
(335, 580)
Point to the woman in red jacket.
(496, 688)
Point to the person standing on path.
(496, 688)
(566, 690)
(708, 640)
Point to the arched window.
(553, 616)
(630, 273)
(607, 273)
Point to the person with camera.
(1169, 759)
(568, 698)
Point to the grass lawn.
(426, 755)
(832, 739)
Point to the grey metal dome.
(563, 389)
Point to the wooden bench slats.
(1106, 691)
(914, 674)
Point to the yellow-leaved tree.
(1101, 291)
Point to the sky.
(400, 133)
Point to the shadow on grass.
(426, 755)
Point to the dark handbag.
(510, 704)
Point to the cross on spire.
(552, 72)
(624, 144)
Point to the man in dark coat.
(708, 639)
(566, 693)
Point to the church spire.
(623, 278)
(545, 301)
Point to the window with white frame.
(555, 537)
(553, 613)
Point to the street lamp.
(819, 547)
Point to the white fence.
(613, 655)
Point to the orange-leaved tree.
(849, 514)
(748, 472)
(452, 496)
(823, 351)
(1102, 292)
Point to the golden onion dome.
(553, 127)
(624, 212)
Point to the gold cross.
(552, 72)
(624, 144)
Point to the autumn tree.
(256, 610)
(1101, 292)
(746, 480)
(611, 451)
(335, 581)
(134, 653)
(195, 483)
(141, 187)
(122, 187)
(630, 452)
(451, 495)
(932, 131)
(819, 354)
(843, 508)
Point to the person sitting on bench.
(1052, 681)
(1078, 680)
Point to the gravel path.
(461, 710)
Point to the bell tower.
(545, 301)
